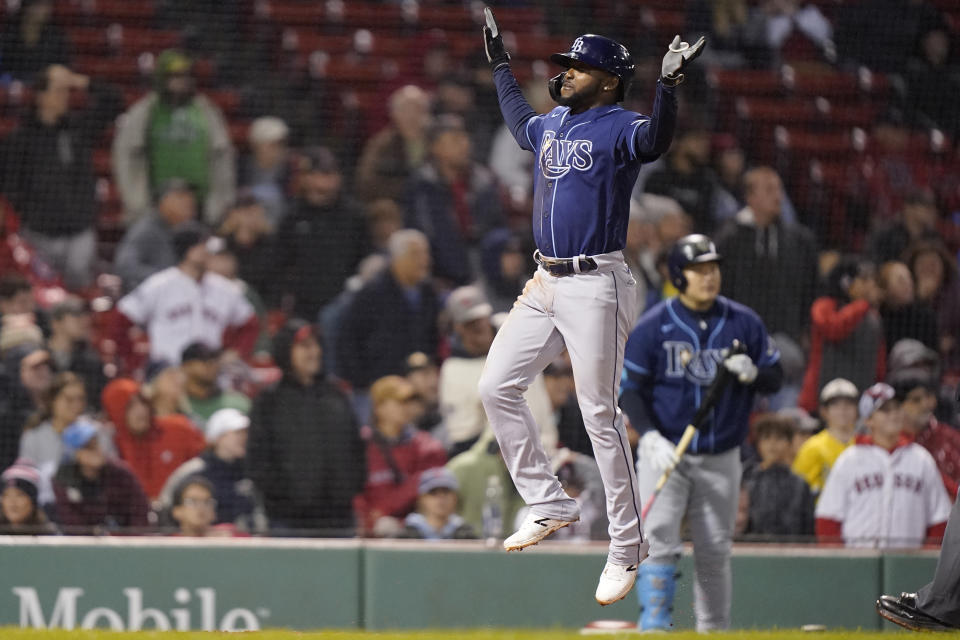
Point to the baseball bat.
(720, 382)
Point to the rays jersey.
(672, 356)
(587, 166)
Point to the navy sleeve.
(636, 385)
(652, 137)
(765, 354)
(517, 112)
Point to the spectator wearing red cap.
(153, 446)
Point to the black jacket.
(432, 209)
(306, 457)
(772, 271)
(305, 454)
(695, 192)
(255, 263)
(917, 320)
(317, 249)
(380, 328)
(48, 170)
(780, 503)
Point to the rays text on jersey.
(558, 156)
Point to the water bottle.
(493, 511)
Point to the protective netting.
(289, 146)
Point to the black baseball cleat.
(902, 610)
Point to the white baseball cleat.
(615, 582)
(534, 529)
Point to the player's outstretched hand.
(741, 365)
(679, 55)
(656, 451)
(493, 42)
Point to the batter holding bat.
(672, 357)
(589, 152)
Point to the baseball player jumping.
(589, 152)
(671, 358)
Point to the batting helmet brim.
(566, 60)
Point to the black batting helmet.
(602, 53)
(692, 249)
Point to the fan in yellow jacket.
(838, 409)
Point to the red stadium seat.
(126, 41)
(828, 85)
(852, 115)
(105, 12)
(452, 18)
(667, 23)
(122, 70)
(227, 99)
(534, 47)
(355, 15)
(384, 43)
(777, 112)
(745, 82)
(825, 146)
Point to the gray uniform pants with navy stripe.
(704, 490)
(941, 598)
(589, 314)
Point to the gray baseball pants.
(706, 490)
(589, 314)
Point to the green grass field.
(10, 633)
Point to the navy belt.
(565, 266)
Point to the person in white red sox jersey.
(885, 491)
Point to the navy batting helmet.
(692, 249)
(602, 53)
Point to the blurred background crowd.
(253, 252)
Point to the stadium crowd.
(248, 283)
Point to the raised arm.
(516, 110)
